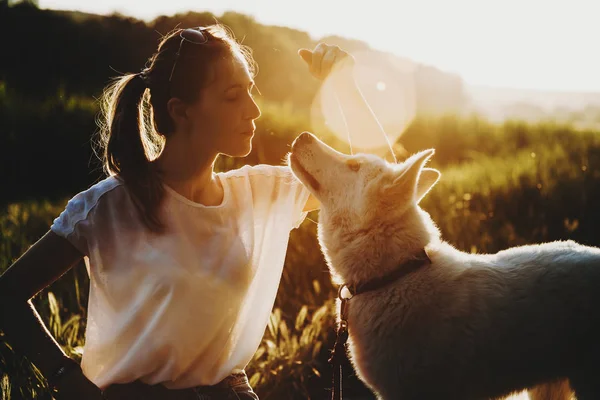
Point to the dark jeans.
(233, 387)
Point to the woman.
(184, 263)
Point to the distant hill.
(80, 51)
(579, 108)
(77, 52)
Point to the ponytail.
(127, 139)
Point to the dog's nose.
(304, 137)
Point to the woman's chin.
(242, 151)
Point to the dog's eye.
(353, 165)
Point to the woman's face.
(222, 119)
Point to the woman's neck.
(189, 172)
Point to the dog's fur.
(467, 326)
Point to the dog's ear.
(406, 180)
(427, 179)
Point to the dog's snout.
(304, 137)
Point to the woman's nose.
(254, 112)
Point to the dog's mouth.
(307, 177)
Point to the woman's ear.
(177, 110)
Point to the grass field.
(502, 185)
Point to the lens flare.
(387, 85)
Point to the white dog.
(456, 325)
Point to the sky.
(526, 44)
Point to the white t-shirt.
(190, 306)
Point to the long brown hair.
(135, 121)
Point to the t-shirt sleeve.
(74, 221)
(276, 188)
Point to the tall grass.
(502, 185)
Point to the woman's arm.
(312, 203)
(357, 114)
(43, 263)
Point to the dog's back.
(471, 326)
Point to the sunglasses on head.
(191, 35)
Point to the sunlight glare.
(519, 396)
(389, 89)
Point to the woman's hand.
(324, 58)
(74, 385)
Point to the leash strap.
(339, 351)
